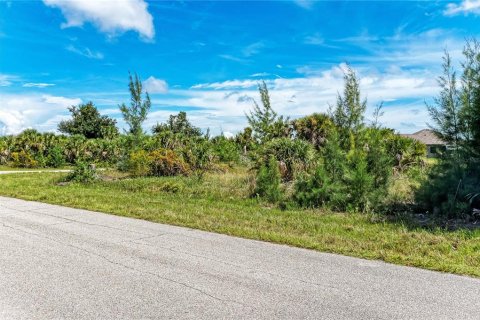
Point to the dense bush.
(139, 163)
(165, 162)
(83, 173)
(313, 128)
(318, 190)
(293, 156)
(160, 162)
(23, 159)
(226, 150)
(267, 183)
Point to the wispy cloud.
(37, 85)
(253, 49)
(110, 17)
(232, 58)
(7, 80)
(86, 52)
(464, 7)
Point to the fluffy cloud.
(42, 112)
(108, 16)
(154, 85)
(465, 7)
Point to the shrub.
(268, 181)
(55, 157)
(225, 149)
(318, 190)
(166, 162)
(83, 173)
(293, 155)
(139, 163)
(447, 190)
(23, 159)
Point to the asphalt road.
(62, 263)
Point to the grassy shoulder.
(220, 203)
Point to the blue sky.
(207, 57)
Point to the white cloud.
(223, 104)
(37, 85)
(111, 17)
(227, 84)
(86, 52)
(6, 80)
(465, 7)
(43, 112)
(154, 85)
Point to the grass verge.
(220, 203)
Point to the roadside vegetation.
(328, 181)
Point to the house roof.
(426, 136)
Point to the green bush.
(23, 159)
(318, 190)
(448, 189)
(268, 181)
(139, 163)
(226, 150)
(294, 156)
(55, 157)
(166, 162)
(83, 173)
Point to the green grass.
(220, 203)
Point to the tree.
(264, 121)
(446, 110)
(87, 121)
(178, 124)
(470, 98)
(348, 115)
(135, 114)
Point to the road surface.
(62, 263)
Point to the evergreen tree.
(348, 114)
(446, 110)
(264, 121)
(135, 114)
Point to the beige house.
(429, 138)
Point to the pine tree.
(135, 114)
(446, 110)
(264, 121)
(348, 114)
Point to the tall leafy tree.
(136, 113)
(87, 121)
(264, 121)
